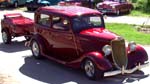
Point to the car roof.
(70, 10)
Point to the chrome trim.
(119, 54)
(123, 71)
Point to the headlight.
(132, 46)
(107, 50)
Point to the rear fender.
(40, 41)
(101, 62)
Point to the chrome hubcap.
(89, 68)
(4, 37)
(35, 49)
(118, 12)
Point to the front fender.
(101, 62)
(137, 56)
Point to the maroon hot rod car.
(114, 6)
(14, 25)
(76, 36)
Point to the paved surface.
(17, 63)
(129, 20)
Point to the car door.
(63, 41)
(43, 25)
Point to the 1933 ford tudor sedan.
(76, 37)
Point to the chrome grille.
(119, 53)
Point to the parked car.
(34, 4)
(115, 6)
(76, 36)
(15, 25)
(15, 3)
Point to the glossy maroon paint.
(72, 48)
(17, 25)
(113, 6)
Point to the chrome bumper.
(123, 71)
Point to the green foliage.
(129, 32)
(134, 1)
(97, 1)
(143, 5)
(139, 13)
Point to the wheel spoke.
(4, 37)
(89, 68)
(35, 49)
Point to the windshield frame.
(81, 29)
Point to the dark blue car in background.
(34, 4)
(14, 3)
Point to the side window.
(60, 23)
(44, 20)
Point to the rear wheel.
(91, 70)
(35, 48)
(29, 9)
(6, 37)
(129, 11)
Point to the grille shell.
(119, 54)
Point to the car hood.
(100, 33)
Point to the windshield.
(85, 22)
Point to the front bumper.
(123, 71)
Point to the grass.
(139, 13)
(129, 33)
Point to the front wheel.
(118, 12)
(6, 37)
(35, 48)
(91, 70)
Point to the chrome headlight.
(107, 50)
(132, 46)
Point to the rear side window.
(60, 23)
(44, 20)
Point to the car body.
(15, 3)
(34, 4)
(85, 3)
(76, 37)
(114, 6)
(15, 25)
